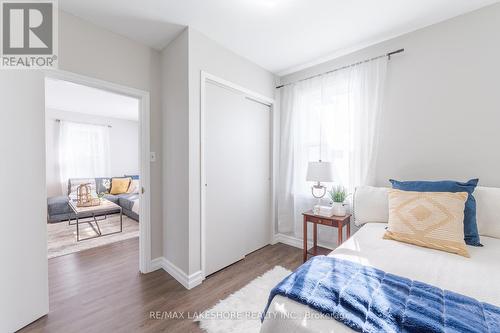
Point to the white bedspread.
(477, 276)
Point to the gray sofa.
(58, 209)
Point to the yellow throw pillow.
(119, 185)
(428, 219)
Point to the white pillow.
(488, 211)
(370, 204)
(134, 186)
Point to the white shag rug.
(241, 311)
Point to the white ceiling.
(72, 97)
(279, 35)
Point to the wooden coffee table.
(103, 209)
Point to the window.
(333, 117)
(83, 151)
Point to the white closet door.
(256, 175)
(237, 171)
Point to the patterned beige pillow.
(428, 219)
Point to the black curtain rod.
(388, 55)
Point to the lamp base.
(320, 187)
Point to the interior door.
(255, 185)
(23, 241)
(237, 172)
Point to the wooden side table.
(332, 221)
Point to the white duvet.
(477, 276)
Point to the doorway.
(118, 212)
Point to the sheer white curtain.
(334, 118)
(84, 151)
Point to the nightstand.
(332, 221)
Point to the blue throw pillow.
(471, 235)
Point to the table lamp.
(319, 172)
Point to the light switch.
(152, 156)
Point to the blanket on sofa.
(367, 299)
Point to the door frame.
(206, 78)
(144, 153)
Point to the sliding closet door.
(256, 175)
(237, 172)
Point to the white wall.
(441, 117)
(92, 51)
(23, 240)
(175, 151)
(207, 55)
(124, 145)
(183, 61)
(87, 50)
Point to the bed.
(477, 276)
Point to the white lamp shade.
(319, 172)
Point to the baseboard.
(297, 242)
(288, 240)
(195, 279)
(156, 264)
(188, 281)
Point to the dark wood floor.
(101, 290)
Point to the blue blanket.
(369, 300)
